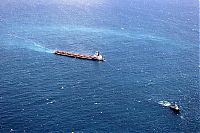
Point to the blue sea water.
(152, 58)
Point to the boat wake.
(164, 103)
(31, 44)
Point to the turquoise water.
(151, 49)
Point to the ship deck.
(75, 55)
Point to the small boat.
(97, 56)
(175, 108)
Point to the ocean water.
(151, 49)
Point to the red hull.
(75, 55)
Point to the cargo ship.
(96, 57)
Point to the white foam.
(164, 103)
(53, 101)
(182, 117)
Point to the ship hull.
(75, 55)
